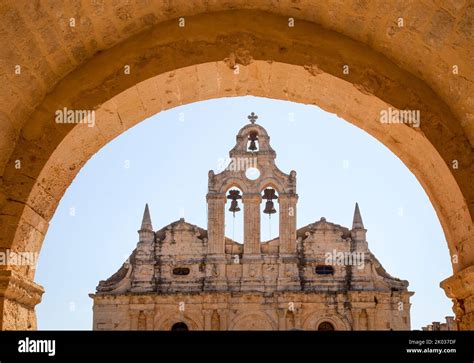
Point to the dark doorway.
(179, 327)
(325, 326)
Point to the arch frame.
(29, 198)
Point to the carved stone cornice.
(460, 285)
(17, 288)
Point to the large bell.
(269, 194)
(269, 208)
(253, 138)
(233, 195)
(252, 146)
(234, 206)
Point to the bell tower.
(253, 171)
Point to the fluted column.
(252, 225)
(215, 224)
(287, 204)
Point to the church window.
(181, 271)
(252, 173)
(324, 270)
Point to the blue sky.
(164, 161)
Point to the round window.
(252, 173)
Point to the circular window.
(181, 271)
(252, 173)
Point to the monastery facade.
(318, 277)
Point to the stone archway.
(313, 320)
(168, 320)
(253, 321)
(228, 56)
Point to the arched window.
(179, 327)
(326, 326)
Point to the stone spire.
(357, 221)
(146, 222)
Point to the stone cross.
(252, 117)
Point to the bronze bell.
(233, 195)
(234, 206)
(269, 208)
(253, 137)
(269, 194)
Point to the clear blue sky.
(165, 161)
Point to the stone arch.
(234, 183)
(253, 321)
(166, 321)
(302, 66)
(313, 320)
(271, 183)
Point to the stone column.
(223, 318)
(18, 297)
(355, 318)
(207, 319)
(281, 318)
(298, 313)
(134, 319)
(370, 319)
(460, 289)
(215, 224)
(150, 319)
(287, 204)
(252, 225)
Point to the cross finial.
(252, 117)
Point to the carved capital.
(20, 289)
(218, 197)
(460, 285)
(460, 288)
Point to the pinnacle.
(146, 222)
(357, 220)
